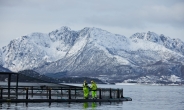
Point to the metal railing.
(57, 93)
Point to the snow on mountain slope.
(90, 56)
(106, 41)
(37, 49)
(153, 51)
(95, 52)
(174, 44)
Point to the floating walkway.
(65, 100)
(59, 93)
(49, 92)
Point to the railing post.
(1, 93)
(110, 93)
(9, 83)
(100, 93)
(122, 94)
(32, 91)
(61, 92)
(75, 92)
(26, 93)
(69, 93)
(47, 91)
(17, 81)
(118, 93)
(50, 93)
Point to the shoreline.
(151, 84)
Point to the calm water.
(145, 97)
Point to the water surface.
(144, 97)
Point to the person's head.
(92, 81)
(84, 80)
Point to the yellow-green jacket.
(93, 86)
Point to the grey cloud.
(119, 14)
(171, 14)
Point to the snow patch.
(78, 46)
(174, 78)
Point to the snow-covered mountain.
(96, 53)
(174, 44)
(37, 49)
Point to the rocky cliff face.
(97, 53)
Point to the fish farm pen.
(50, 92)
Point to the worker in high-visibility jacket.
(85, 89)
(93, 89)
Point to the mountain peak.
(150, 36)
(61, 29)
(65, 28)
(173, 44)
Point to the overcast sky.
(125, 17)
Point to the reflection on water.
(86, 105)
(62, 106)
(93, 105)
